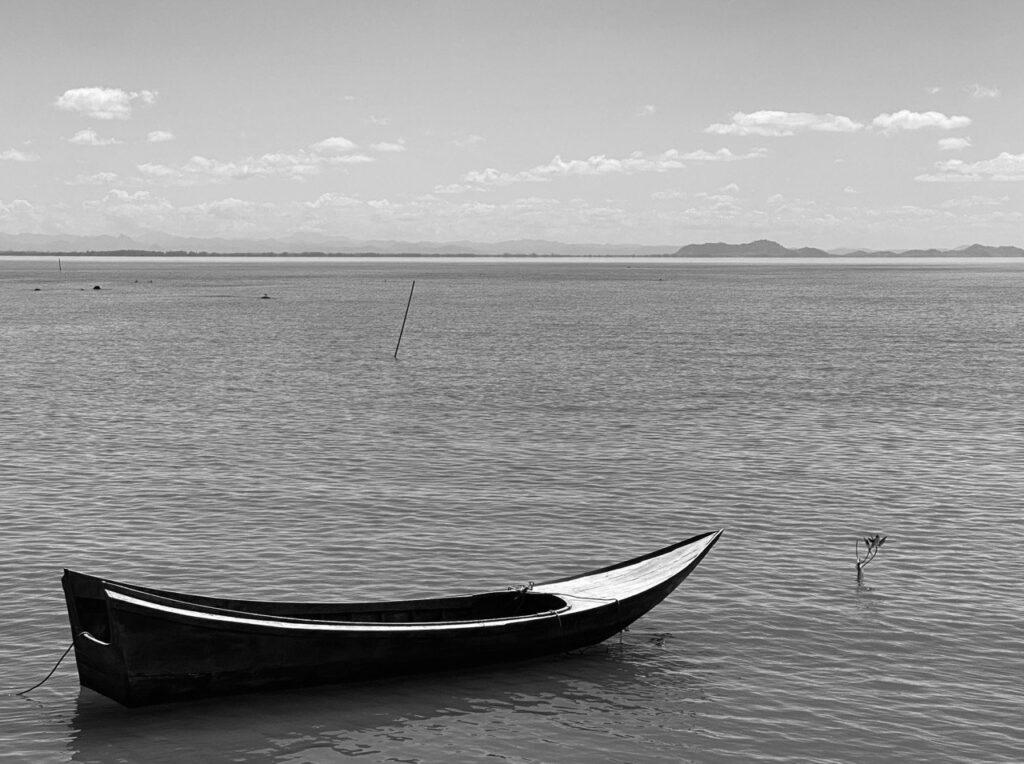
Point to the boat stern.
(97, 655)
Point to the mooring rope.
(59, 661)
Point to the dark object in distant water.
(96, 287)
(265, 296)
(141, 646)
(871, 546)
(37, 289)
(402, 330)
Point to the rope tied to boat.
(55, 665)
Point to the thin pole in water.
(58, 265)
(402, 330)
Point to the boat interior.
(90, 604)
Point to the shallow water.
(171, 428)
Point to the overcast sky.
(832, 124)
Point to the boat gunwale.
(243, 618)
(642, 558)
(197, 606)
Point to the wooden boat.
(139, 645)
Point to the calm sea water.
(174, 429)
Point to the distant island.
(766, 248)
(158, 245)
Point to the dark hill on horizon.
(768, 248)
(759, 248)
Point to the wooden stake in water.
(402, 330)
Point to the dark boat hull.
(160, 646)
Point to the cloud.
(20, 216)
(295, 165)
(718, 201)
(103, 103)
(972, 202)
(229, 208)
(330, 200)
(90, 138)
(453, 188)
(379, 121)
(13, 155)
(647, 110)
(159, 136)
(722, 155)
(121, 204)
(99, 179)
(954, 144)
(783, 123)
(603, 165)
(386, 147)
(914, 120)
(199, 169)
(983, 91)
(1005, 167)
(469, 140)
(336, 144)
(669, 194)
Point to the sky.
(882, 124)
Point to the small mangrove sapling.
(871, 546)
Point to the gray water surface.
(174, 429)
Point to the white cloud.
(13, 155)
(938, 177)
(91, 138)
(558, 167)
(914, 120)
(103, 103)
(21, 216)
(229, 208)
(983, 91)
(647, 110)
(469, 140)
(722, 155)
(972, 202)
(386, 147)
(379, 121)
(954, 144)
(159, 136)
(120, 204)
(453, 188)
(783, 123)
(849, 190)
(1005, 167)
(604, 165)
(334, 200)
(719, 202)
(330, 152)
(337, 144)
(99, 179)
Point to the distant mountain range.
(311, 244)
(155, 243)
(766, 248)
